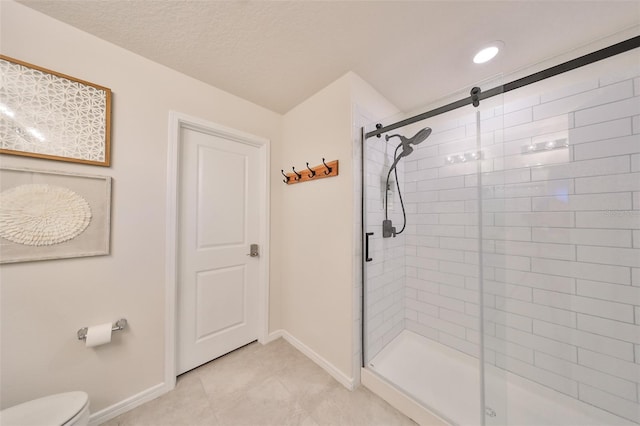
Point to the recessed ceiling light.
(488, 52)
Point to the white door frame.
(177, 121)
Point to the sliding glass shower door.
(512, 294)
(423, 298)
(562, 295)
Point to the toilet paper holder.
(119, 325)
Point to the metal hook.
(326, 172)
(297, 174)
(313, 172)
(286, 179)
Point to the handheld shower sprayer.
(388, 230)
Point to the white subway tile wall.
(385, 273)
(557, 245)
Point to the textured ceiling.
(278, 53)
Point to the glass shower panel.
(384, 267)
(422, 291)
(562, 284)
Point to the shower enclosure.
(513, 295)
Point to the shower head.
(415, 140)
(388, 230)
(406, 144)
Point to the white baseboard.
(128, 404)
(347, 382)
(274, 335)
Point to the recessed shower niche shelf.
(464, 157)
(545, 146)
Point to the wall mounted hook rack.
(320, 171)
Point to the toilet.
(63, 409)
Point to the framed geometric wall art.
(46, 114)
(53, 215)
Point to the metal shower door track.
(581, 61)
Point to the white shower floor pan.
(448, 382)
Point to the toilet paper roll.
(98, 335)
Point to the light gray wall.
(44, 303)
(312, 225)
(317, 227)
(320, 225)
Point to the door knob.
(253, 250)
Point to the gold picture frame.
(46, 114)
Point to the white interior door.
(218, 219)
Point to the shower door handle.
(366, 247)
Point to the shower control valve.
(388, 230)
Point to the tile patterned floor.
(263, 385)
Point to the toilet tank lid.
(50, 410)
